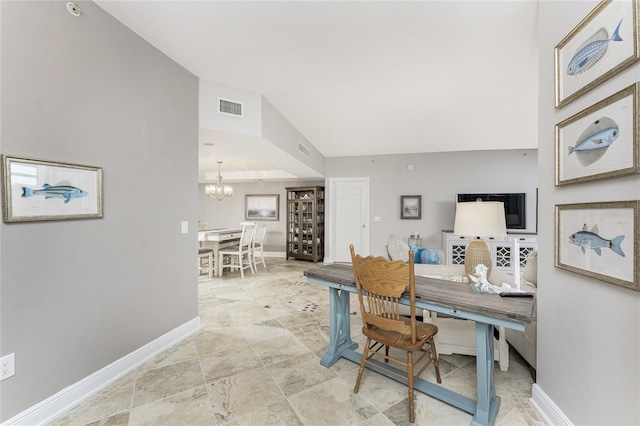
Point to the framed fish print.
(411, 207)
(601, 141)
(600, 240)
(602, 45)
(35, 190)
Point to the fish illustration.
(594, 141)
(591, 240)
(592, 50)
(62, 190)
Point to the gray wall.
(437, 177)
(78, 295)
(588, 330)
(281, 133)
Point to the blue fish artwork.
(592, 50)
(62, 190)
(592, 241)
(594, 140)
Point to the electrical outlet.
(7, 366)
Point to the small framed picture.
(36, 190)
(602, 45)
(601, 141)
(600, 240)
(411, 207)
(262, 207)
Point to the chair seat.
(233, 249)
(205, 251)
(402, 341)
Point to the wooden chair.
(257, 246)
(381, 283)
(239, 256)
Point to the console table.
(455, 247)
(455, 299)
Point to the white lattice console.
(455, 247)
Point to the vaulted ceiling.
(361, 77)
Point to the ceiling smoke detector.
(74, 9)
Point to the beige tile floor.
(256, 361)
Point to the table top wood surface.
(220, 234)
(450, 294)
(221, 231)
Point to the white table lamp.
(479, 219)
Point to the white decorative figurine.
(480, 279)
(482, 284)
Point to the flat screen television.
(514, 206)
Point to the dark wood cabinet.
(305, 223)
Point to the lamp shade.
(480, 219)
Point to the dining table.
(456, 299)
(219, 238)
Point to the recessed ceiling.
(361, 77)
(246, 157)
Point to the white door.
(349, 211)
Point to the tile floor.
(256, 361)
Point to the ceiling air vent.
(304, 150)
(229, 107)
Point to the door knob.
(364, 226)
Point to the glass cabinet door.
(305, 223)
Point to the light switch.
(185, 227)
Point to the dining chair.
(380, 284)
(238, 256)
(257, 246)
(206, 255)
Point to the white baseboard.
(52, 407)
(547, 409)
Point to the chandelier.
(218, 190)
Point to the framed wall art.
(262, 207)
(601, 141)
(600, 240)
(411, 207)
(36, 190)
(599, 47)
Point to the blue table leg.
(339, 324)
(341, 346)
(485, 409)
(488, 403)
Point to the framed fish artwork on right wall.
(601, 141)
(602, 45)
(600, 240)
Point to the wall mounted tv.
(514, 206)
